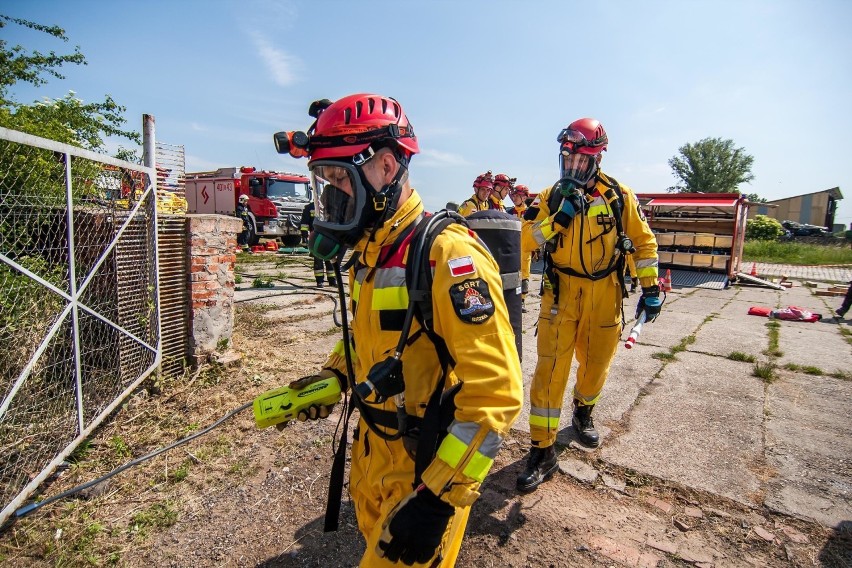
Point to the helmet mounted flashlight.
(294, 142)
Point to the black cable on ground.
(27, 509)
(309, 290)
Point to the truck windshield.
(278, 189)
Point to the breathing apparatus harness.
(614, 197)
(420, 436)
(385, 380)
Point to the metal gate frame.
(146, 205)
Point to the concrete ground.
(677, 406)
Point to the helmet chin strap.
(389, 193)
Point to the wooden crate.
(702, 260)
(684, 239)
(682, 258)
(665, 239)
(720, 261)
(705, 240)
(723, 242)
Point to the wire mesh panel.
(79, 300)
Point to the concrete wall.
(212, 242)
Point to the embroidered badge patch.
(461, 266)
(472, 300)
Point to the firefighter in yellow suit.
(519, 195)
(359, 150)
(482, 198)
(588, 223)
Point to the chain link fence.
(79, 300)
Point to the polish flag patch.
(461, 266)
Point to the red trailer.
(701, 232)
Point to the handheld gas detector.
(284, 403)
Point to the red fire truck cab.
(276, 199)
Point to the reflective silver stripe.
(546, 412)
(644, 263)
(360, 275)
(539, 237)
(465, 431)
(511, 280)
(390, 277)
(487, 224)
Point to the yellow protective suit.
(471, 316)
(587, 317)
(473, 204)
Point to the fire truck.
(276, 199)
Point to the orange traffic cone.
(753, 269)
(272, 246)
(666, 281)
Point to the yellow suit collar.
(371, 244)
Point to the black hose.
(308, 291)
(27, 509)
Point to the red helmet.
(583, 136)
(502, 180)
(350, 125)
(483, 180)
(520, 189)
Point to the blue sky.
(486, 84)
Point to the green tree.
(67, 119)
(755, 198)
(711, 165)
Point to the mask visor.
(578, 168)
(339, 196)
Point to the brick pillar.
(211, 242)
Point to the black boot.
(320, 282)
(585, 426)
(541, 465)
(332, 281)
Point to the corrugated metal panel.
(174, 306)
(805, 211)
(695, 279)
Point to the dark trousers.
(847, 302)
(320, 271)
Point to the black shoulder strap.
(431, 425)
(422, 296)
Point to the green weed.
(774, 334)
(119, 447)
(740, 356)
(795, 253)
(807, 369)
(765, 371)
(160, 515)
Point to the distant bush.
(763, 228)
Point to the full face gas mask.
(347, 205)
(576, 170)
(579, 158)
